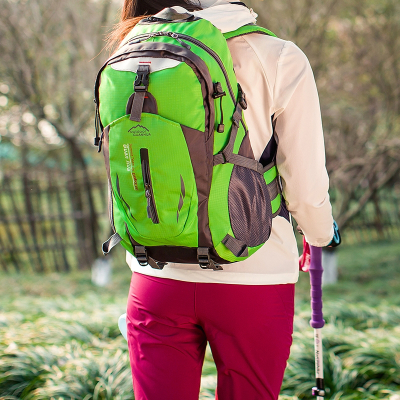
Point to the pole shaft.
(317, 318)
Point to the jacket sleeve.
(301, 152)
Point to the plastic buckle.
(141, 255)
(205, 262)
(203, 257)
(218, 91)
(242, 101)
(242, 98)
(142, 78)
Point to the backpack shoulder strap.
(246, 29)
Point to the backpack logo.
(139, 130)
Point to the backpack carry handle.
(317, 318)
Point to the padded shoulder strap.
(246, 29)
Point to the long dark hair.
(135, 10)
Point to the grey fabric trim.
(110, 243)
(245, 149)
(278, 211)
(183, 191)
(131, 239)
(273, 189)
(149, 105)
(181, 198)
(245, 162)
(200, 153)
(110, 205)
(106, 153)
(106, 150)
(237, 247)
(219, 159)
(137, 106)
(237, 115)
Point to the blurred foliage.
(50, 55)
(59, 336)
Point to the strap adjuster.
(242, 98)
(224, 157)
(218, 91)
(141, 255)
(205, 261)
(203, 257)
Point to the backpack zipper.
(148, 187)
(214, 55)
(178, 36)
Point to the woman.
(246, 311)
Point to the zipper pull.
(100, 142)
(147, 193)
(219, 93)
(176, 37)
(96, 124)
(139, 40)
(148, 198)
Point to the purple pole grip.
(317, 318)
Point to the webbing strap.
(236, 117)
(227, 155)
(236, 246)
(237, 159)
(110, 243)
(137, 106)
(273, 189)
(141, 84)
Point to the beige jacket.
(277, 79)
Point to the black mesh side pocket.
(249, 206)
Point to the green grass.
(59, 337)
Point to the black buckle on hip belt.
(144, 259)
(205, 261)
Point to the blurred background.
(58, 330)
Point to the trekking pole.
(317, 318)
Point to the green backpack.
(183, 182)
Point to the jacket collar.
(225, 15)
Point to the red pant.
(249, 329)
